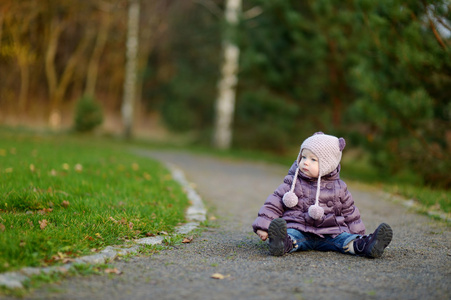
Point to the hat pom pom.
(290, 199)
(316, 212)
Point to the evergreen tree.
(402, 81)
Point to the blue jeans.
(308, 241)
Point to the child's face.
(309, 163)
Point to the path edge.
(194, 215)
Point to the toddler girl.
(313, 209)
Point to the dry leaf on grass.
(78, 168)
(62, 258)
(43, 224)
(45, 210)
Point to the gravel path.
(417, 264)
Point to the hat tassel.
(315, 211)
(290, 199)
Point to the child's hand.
(262, 234)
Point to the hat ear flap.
(342, 143)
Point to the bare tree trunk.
(1, 28)
(225, 104)
(24, 85)
(130, 67)
(93, 66)
(55, 29)
(150, 28)
(23, 61)
(69, 70)
(58, 86)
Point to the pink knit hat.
(328, 149)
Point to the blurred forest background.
(375, 72)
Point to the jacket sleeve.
(351, 213)
(272, 209)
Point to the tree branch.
(432, 25)
(211, 7)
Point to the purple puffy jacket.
(340, 214)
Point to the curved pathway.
(417, 264)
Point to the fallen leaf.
(113, 271)
(135, 167)
(217, 276)
(43, 224)
(163, 233)
(149, 234)
(65, 204)
(130, 225)
(78, 168)
(67, 260)
(45, 210)
(99, 236)
(2, 227)
(32, 168)
(53, 172)
(187, 240)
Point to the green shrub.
(88, 114)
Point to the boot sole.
(277, 232)
(384, 235)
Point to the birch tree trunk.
(225, 103)
(128, 101)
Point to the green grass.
(64, 197)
